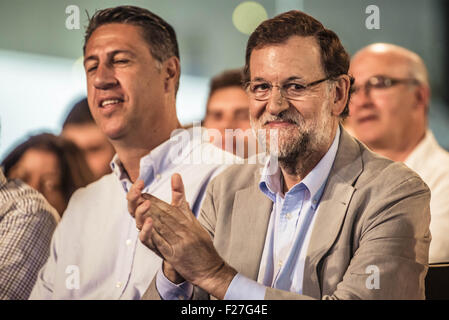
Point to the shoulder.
(390, 193)
(385, 174)
(106, 184)
(22, 204)
(437, 161)
(236, 177)
(93, 197)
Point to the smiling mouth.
(367, 118)
(279, 123)
(110, 103)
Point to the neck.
(296, 170)
(401, 149)
(295, 173)
(132, 148)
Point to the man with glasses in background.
(328, 220)
(389, 113)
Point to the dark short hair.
(228, 78)
(159, 35)
(74, 169)
(334, 58)
(79, 114)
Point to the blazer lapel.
(332, 209)
(251, 215)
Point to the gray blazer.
(373, 212)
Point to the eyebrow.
(110, 54)
(286, 80)
(294, 78)
(241, 109)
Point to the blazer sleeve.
(391, 259)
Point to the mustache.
(284, 116)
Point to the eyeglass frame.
(282, 89)
(367, 86)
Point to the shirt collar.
(270, 184)
(422, 150)
(165, 156)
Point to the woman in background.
(50, 164)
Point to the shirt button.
(118, 284)
(289, 216)
(280, 263)
(158, 176)
(128, 242)
(181, 297)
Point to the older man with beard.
(329, 220)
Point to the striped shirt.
(27, 223)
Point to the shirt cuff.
(171, 291)
(243, 288)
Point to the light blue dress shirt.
(95, 251)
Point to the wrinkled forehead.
(115, 36)
(297, 57)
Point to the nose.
(276, 103)
(229, 123)
(104, 77)
(361, 97)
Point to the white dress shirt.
(95, 251)
(431, 162)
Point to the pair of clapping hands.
(173, 233)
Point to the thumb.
(178, 195)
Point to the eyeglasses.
(292, 90)
(382, 82)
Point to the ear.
(340, 94)
(422, 94)
(172, 70)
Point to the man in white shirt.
(132, 68)
(389, 113)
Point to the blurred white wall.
(38, 91)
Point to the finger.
(145, 233)
(134, 196)
(163, 221)
(162, 245)
(178, 193)
(145, 236)
(165, 207)
(141, 213)
(178, 213)
(167, 226)
(155, 200)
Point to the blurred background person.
(228, 108)
(80, 128)
(389, 113)
(51, 165)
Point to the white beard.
(298, 141)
